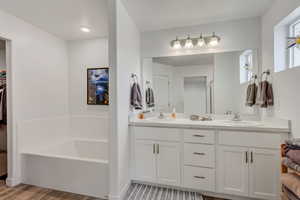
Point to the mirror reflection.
(213, 83)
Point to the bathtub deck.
(27, 192)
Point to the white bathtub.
(77, 166)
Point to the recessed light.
(85, 29)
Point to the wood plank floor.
(28, 192)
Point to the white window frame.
(291, 51)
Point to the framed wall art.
(98, 86)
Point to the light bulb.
(176, 44)
(85, 29)
(188, 43)
(201, 42)
(214, 40)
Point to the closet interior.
(3, 112)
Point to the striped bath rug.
(148, 192)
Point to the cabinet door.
(168, 163)
(145, 161)
(232, 171)
(264, 173)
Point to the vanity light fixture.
(85, 29)
(202, 41)
(189, 43)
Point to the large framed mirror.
(214, 83)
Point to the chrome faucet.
(236, 117)
(161, 115)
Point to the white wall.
(286, 83)
(235, 35)
(124, 52)
(85, 54)
(38, 70)
(2, 59)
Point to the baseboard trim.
(12, 182)
(122, 193)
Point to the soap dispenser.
(173, 115)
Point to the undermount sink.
(156, 119)
(241, 123)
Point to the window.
(246, 66)
(294, 52)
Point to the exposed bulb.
(188, 43)
(214, 40)
(201, 41)
(176, 44)
(85, 29)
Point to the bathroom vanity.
(223, 158)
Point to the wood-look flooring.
(28, 192)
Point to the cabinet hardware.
(200, 154)
(199, 177)
(199, 136)
(246, 156)
(153, 148)
(251, 157)
(157, 149)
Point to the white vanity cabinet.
(223, 162)
(264, 173)
(251, 170)
(233, 173)
(145, 160)
(156, 155)
(168, 163)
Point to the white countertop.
(278, 126)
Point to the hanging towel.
(136, 97)
(150, 98)
(265, 97)
(251, 94)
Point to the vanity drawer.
(250, 139)
(199, 155)
(199, 136)
(199, 178)
(151, 133)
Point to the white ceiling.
(62, 17)
(186, 60)
(163, 14)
